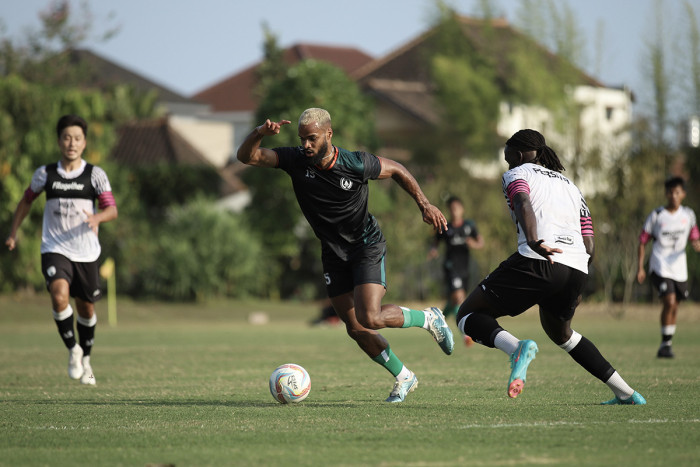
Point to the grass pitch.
(186, 385)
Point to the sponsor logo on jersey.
(565, 239)
(345, 184)
(67, 186)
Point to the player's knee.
(370, 319)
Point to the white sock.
(428, 316)
(65, 314)
(668, 330)
(89, 322)
(86, 360)
(506, 341)
(572, 342)
(460, 325)
(404, 374)
(619, 387)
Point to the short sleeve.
(100, 181)
(372, 166)
(38, 180)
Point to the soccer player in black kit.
(330, 185)
(460, 237)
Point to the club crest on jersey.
(345, 184)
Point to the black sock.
(589, 357)
(65, 329)
(481, 328)
(86, 333)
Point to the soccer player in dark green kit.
(331, 188)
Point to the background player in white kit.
(670, 227)
(70, 248)
(555, 246)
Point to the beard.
(318, 157)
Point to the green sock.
(388, 360)
(451, 309)
(412, 318)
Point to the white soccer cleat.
(438, 328)
(88, 377)
(75, 364)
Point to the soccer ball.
(290, 383)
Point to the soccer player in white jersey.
(555, 246)
(70, 248)
(670, 227)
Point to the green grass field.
(186, 385)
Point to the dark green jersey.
(334, 200)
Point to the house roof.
(152, 142)
(236, 93)
(409, 61)
(402, 77)
(100, 72)
(148, 143)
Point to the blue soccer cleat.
(401, 388)
(519, 360)
(636, 399)
(441, 332)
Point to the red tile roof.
(235, 94)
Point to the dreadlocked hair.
(531, 140)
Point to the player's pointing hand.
(271, 128)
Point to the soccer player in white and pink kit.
(70, 249)
(670, 227)
(549, 269)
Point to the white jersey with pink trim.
(670, 232)
(560, 209)
(69, 195)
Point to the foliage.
(200, 251)
(27, 142)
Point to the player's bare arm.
(21, 212)
(431, 214)
(250, 151)
(525, 216)
(641, 273)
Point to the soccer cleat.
(438, 328)
(519, 360)
(401, 388)
(635, 399)
(75, 364)
(88, 377)
(665, 352)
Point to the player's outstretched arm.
(250, 151)
(21, 212)
(431, 214)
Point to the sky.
(188, 45)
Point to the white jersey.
(69, 196)
(560, 209)
(670, 232)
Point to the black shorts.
(365, 265)
(520, 283)
(83, 278)
(665, 286)
(456, 279)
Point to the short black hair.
(71, 120)
(673, 182)
(453, 199)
